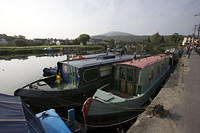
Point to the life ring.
(86, 106)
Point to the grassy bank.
(13, 50)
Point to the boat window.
(162, 66)
(135, 76)
(151, 74)
(122, 73)
(71, 71)
(158, 68)
(65, 68)
(90, 74)
(105, 70)
(129, 74)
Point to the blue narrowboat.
(75, 81)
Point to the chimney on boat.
(135, 57)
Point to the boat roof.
(99, 60)
(12, 116)
(145, 62)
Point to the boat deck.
(118, 93)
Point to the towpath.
(180, 98)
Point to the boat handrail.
(106, 85)
(39, 80)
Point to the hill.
(117, 33)
(120, 36)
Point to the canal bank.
(32, 50)
(176, 108)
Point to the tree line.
(20, 40)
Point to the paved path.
(191, 106)
(181, 100)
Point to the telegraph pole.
(195, 28)
(198, 31)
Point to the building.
(3, 42)
(187, 40)
(97, 42)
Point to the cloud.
(69, 18)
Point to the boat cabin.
(135, 77)
(81, 72)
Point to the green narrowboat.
(134, 82)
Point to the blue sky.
(69, 18)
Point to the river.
(16, 73)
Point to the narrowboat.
(175, 54)
(75, 81)
(16, 117)
(134, 82)
(53, 70)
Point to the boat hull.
(56, 98)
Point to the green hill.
(120, 36)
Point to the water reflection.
(24, 57)
(15, 73)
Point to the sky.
(70, 18)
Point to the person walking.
(189, 51)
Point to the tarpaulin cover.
(13, 119)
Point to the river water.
(16, 73)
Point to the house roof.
(145, 62)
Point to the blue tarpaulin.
(52, 123)
(15, 117)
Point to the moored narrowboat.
(134, 83)
(53, 70)
(175, 54)
(16, 117)
(75, 81)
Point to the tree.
(21, 37)
(175, 38)
(20, 42)
(139, 48)
(83, 38)
(162, 39)
(156, 38)
(148, 39)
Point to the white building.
(57, 42)
(3, 42)
(187, 40)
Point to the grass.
(14, 50)
(42, 47)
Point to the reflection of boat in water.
(72, 86)
(134, 83)
(48, 49)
